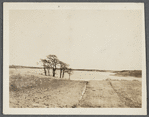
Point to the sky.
(85, 39)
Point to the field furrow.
(100, 94)
(129, 92)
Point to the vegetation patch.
(112, 94)
(125, 73)
(34, 92)
(100, 94)
(129, 92)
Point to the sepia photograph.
(74, 58)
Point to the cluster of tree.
(52, 62)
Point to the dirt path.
(101, 94)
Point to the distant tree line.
(52, 62)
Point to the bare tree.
(49, 66)
(65, 66)
(70, 72)
(61, 67)
(44, 61)
(54, 62)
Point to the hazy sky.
(93, 39)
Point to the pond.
(89, 75)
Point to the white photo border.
(68, 111)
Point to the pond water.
(89, 75)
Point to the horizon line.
(10, 66)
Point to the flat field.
(29, 88)
(112, 94)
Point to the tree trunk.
(45, 71)
(60, 72)
(63, 73)
(69, 76)
(54, 72)
(49, 72)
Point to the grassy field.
(34, 92)
(29, 88)
(129, 92)
(112, 94)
